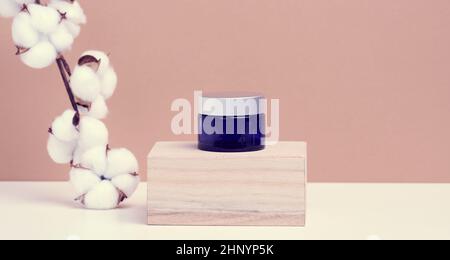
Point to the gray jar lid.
(232, 104)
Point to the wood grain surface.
(191, 187)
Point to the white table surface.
(335, 211)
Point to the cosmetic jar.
(231, 122)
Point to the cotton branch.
(42, 30)
(65, 71)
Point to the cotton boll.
(9, 8)
(83, 180)
(85, 83)
(43, 18)
(60, 152)
(127, 183)
(23, 33)
(72, 28)
(98, 109)
(40, 56)
(93, 133)
(95, 159)
(62, 39)
(73, 11)
(63, 128)
(101, 57)
(121, 161)
(109, 83)
(103, 196)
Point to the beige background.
(366, 83)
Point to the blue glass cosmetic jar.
(231, 122)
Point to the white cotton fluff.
(73, 29)
(126, 183)
(121, 161)
(95, 159)
(92, 133)
(63, 128)
(114, 172)
(62, 39)
(109, 83)
(60, 152)
(83, 180)
(85, 84)
(40, 56)
(105, 73)
(98, 109)
(43, 18)
(23, 33)
(101, 57)
(74, 12)
(9, 8)
(102, 196)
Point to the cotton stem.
(64, 70)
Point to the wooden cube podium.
(187, 186)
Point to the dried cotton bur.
(102, 177)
